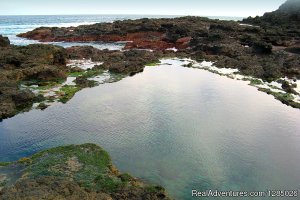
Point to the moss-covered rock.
(75, 172)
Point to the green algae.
(88, 165)
(67, 92)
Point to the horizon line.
(124, 15)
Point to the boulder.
(4, 41)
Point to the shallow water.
(179, 127)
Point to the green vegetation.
(153, 188)
(89, 73)
(87, 165)
(42, 106)
(63, 161)
(153, 64)
(255, 82)
(285, 98)
(108, 183)
(3, 183)
(92, 72)
(25, 160)
(115, 77)
(67, 92)
(75, 74)
(126, 177)
(3, 164)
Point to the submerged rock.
(74, 172)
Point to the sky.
(238, 8)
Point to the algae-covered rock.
(74, 172)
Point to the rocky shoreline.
(266, 51)
(263, 49)
(38, 75)
(82, 172)
(43, 63)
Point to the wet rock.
(286, 86)
(126, 62)
(42, 106)
(295, 49)
(50, 188)
(23, 97)
(266, 48)
(196, 36)
(281, 26)
(183, 43)
(76, 69)
(4, 41)
(44, 73)
(83, 82)
(36, 63)
(262, 48)
(81, 52)
(82, 172)
(12, 99)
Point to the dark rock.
(81, 52)
(237, 45)
(268, 50)
(286, 86)
(4, 41)
(76, 69)
(281, 26)
(42, 106)
(34, 63)
(125, 62)
(290, 7)
(262, 47)
(23, 97)
(45, 73)
(83, 82)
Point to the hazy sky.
(162, 7)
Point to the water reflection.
(180, 127)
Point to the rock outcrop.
(124, 62)
(39, 63)
(260, 49)
(145, 33)
(282, 27)
(266, 47)
(82, 172)
(4, 41)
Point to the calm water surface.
(179, 127)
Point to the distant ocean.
(10, 26)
